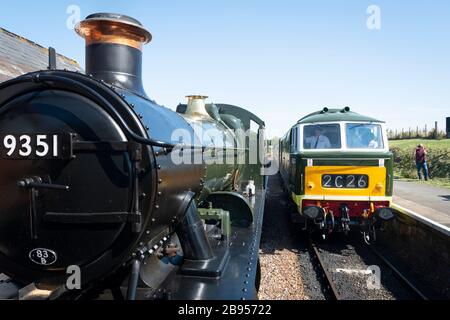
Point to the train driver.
(318, 141)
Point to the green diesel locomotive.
(337, 167)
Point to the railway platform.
(428, 203)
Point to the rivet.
(147, 232)
(156, 207)
(147, 128)
(159, 193)
(141, 116)
(160, 181)
(159, 167)
(245, 289)
(153, 219)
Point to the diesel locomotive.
(338, 171)
(125, 198)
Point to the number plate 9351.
(345, 181)
(33, 146)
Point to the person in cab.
(318, 141)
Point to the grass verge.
(438, 160)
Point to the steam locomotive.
(338, 171)
(97, 180)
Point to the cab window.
(322, 136)
(294, 139)
(364, 136)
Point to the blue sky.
(280, 59)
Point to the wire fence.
(416, 133)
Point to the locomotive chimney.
(114, 49)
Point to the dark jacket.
(421, 155)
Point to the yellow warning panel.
(343, 180)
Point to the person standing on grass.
(421, 161)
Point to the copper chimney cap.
(113, 28)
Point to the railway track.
(325, 274)
(308, 265)
(346, 278)
(399, 275)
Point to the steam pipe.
(134, 279)
(192, 236)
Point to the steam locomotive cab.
(337, 167)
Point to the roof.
(333, 115)
(19, 56)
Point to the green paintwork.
(236, 122)
(239, 206)
(292, 165)
(334, 115)
(219, 215)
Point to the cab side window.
(294, 139)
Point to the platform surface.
(428, 201)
